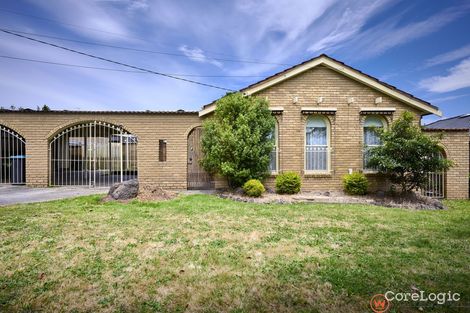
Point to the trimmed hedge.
(253, 188)
(288, 183)
(355, 184)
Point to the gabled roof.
(456, 122)
(341, 68)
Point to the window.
(273, 156)
(162, 150)
(316, 144)
(371, 137)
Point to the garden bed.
(414, 201)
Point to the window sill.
(370, 172)
(273, 174)
(317, 174)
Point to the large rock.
(125, 190)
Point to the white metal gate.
(12, 157)
(435, 186)
(92, 154)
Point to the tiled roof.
(452, 123)
(97, 112)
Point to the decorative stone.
(125, 190)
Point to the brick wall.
(38, 127)
(346, 138)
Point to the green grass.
(201, 253)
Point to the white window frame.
(328, 146)
(365, 147)
(275, 149)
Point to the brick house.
(324, 111)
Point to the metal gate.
(435, 186)
(12, 157)
(197, 177)
(92, 154)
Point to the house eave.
(208, 109)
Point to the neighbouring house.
(455, 133)
(325, 112)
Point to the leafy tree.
(236, 142)
(45, 108)
(407, 154)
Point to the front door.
(198, 178)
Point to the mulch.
(413, 201)
(149, 193)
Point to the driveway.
(21, 194)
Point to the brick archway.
(92, 154)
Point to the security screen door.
(94, 154)
(12, 157)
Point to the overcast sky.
(422, 47)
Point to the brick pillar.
(37, 163)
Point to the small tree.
(45, 108)
(236, 141)
(407, 154)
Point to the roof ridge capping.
(339, 67)
(27, 110)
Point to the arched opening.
(92, 154)
(436, 182)
(197, 177)
(12, 157)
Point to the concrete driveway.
(21, 194)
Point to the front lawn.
(202, 253)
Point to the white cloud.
(457, 78)
(345, 23)
(138, 5)
(288, 18)
(198, 55)
(97, 20)
(389, 34)
(450, 56)
(448, 98)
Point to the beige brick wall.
(346, 138)
(456, 148)
(37, 128)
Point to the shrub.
(253, 188)
(236, 142)
(288, 183)
(355, 184)
(407, 155)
